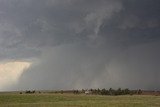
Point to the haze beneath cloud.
(75, 44)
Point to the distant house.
(87, 92)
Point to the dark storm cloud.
(47, 23)
(83, 43)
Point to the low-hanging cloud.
(82, 43)
(10, 72)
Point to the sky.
(79, 44)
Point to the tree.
(139, 91)
(118, 92)
(61, 91)
(111, 91)
(104, 92)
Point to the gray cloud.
(82, 43)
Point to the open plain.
(80, 100)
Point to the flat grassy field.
(71, 100)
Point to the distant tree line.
(104, 91)
(111, 91)
(98, 91)
(30, 92)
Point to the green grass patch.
(71, 100)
